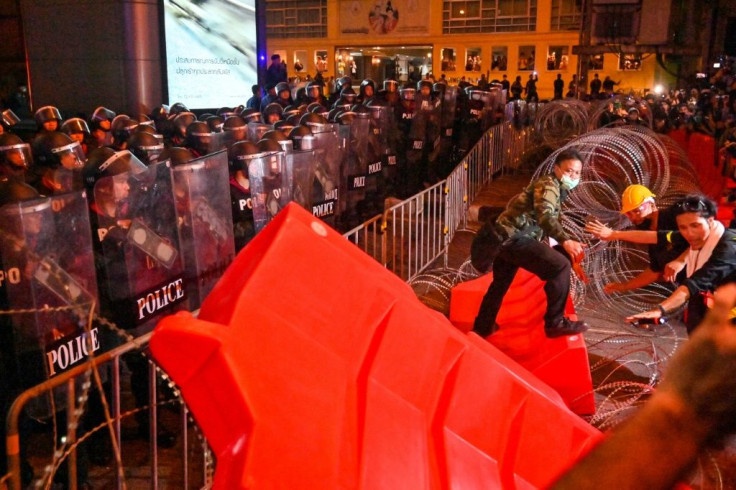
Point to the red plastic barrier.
(314, 367)
(562, 362)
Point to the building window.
(296, 18)
(471, 16)
(566, 15)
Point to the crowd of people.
(339, 155)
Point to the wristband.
(662, 310)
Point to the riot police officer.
(101, 124)
(58, 163)
(78, 130)
(16, 158)
(48, 118)
(240, 192)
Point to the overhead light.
(462, 12)
(658, 89)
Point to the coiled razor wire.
(613, 158)
(560, 121)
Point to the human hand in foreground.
(672, 269)
(599, 230)
(574, 249)
(653, 314)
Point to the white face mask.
(567, 183)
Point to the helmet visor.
(70, 156)
(19, 155)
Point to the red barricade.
(311, 366)
(562, 362)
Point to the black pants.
(547, 263)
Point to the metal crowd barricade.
(412, 234)
(75, 409)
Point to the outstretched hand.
(599, 230)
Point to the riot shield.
(445, 164)
(374, 155)
(205, 222)
(325, 185)
(270, 184)
(49, 289)
(419, 145)
(218, 142)
(472, 120)
(256, 131)
(140, 270)
(432, 107)
(354, 138)
(384, 139)
(303, 163)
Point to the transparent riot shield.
(448, 118)
(256, 131)
(270, 184)
(201, 194)
(374, 155)
(354, 137)
(49, 291)
(433, 111)
(384, 139)
(303, 164)
(326, 183)
(419, 144)
(139, 264)
(218, 141)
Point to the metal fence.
(193, 464)
(412, 234)
(406, 239)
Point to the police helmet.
(313, 90)
(240, 153)
(302, 138)
(342, 83)
(105, 162)
(346, 118)
(75, 125)
(390, 86)
(13, 191)
(55, 149)
(145, 146)
(251, 115)
(47, 113)
(160, 112)
(272, 108)
(15, 153)
(283, 126)
(182, 121)
(407, 93)
(177, 108)
(122, 127)
(8, 118)
(282, 87)
(312, 119)
(216, 123)
(199, 136)
(102, 118)
(176, 155)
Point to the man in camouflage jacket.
(530, 217)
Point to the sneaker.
(565, 327)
